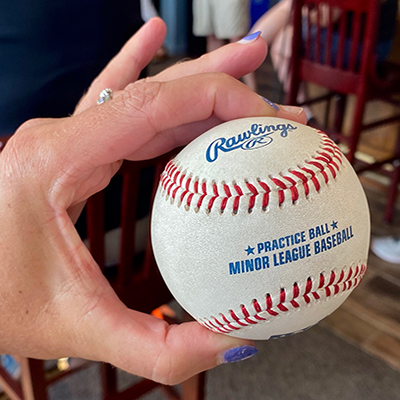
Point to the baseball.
(260, 228)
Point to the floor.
(370, 317)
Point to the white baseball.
(260, 228)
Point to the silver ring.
(105, 95)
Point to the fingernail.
(250, 38)
(292, 109)
(237, 354)
(270, 103)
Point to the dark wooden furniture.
(334, 47)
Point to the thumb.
(149, 347)
(191, 348)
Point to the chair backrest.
(333, 42)
(135, 277)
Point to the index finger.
(126, 66)
(235, 59)
(142, 121)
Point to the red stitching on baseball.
(321, 168)
(189, 199)
(218, 328)
(304, 179)
(341, 277)
(314, 180)
(256, 306)
(228, 323)
(282, 298)
(322, 280)
(175, 176)
(246, 314)
(258, 309)
(181, 179)
(330, 163)
(225, 199)
(236, 318)
(169, 166)
(237, 198)
(188, 190)
(296, 293)
(174, 192)
(204, 191)
(332, 278)
(344, 283)
(254, 191)
(308, 285)
(216, 195)
(269, 305)
(316, 295)
(267, 190)
(331, 147)
(293, 188)
(281, 191)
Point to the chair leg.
(291, 95)
(357, 126)
(108, 380)
(33, 379)
(340, 108)
(392, 194)
(194, 388)
(395, 179)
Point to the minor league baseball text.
(291, 248)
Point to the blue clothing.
(50, 51)
(386, 31)
(382, 47)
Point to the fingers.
(81, 153)
(142, 120)
(126, 66)
(236, 59)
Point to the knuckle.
(30, 123)
(166, 374)
(222, 77)
(218, 80)
(138, 96)
(166, 370)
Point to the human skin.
(54, 300)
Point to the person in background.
(149, 11)
(220, 21)
(272, 25)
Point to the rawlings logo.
(254, 138)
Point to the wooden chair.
(135, 278)
(334, 47)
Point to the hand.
(55, 301)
